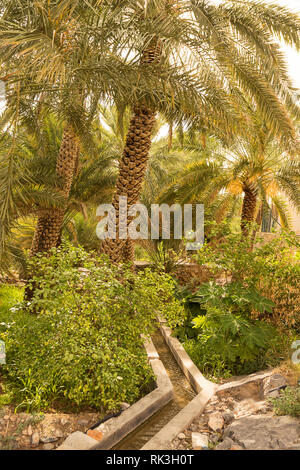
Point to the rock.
(260, 432)
(59, 434)
(64, 421)
(83, 422)
(48, 446)
(193, 427)
(227, 444)
(216, 422)
(199, 441)
(95, 434)
(13, 418)
(48, 440)
(35, 439)
(6, 417)
(228, 417)
(248, 407)
(271, 383)
(181, 436)
(29, 430)
(214, 438)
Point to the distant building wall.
(295, 220)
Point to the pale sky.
(292, 55)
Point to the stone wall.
(192, 274)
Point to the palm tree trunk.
(249, 206)
(49, 224)
(133, 164)
(50, 221)
(258, 222)
(132, 169)
(181, 134)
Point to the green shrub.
(81, 344)
(288, 403)
(239, 344)
(272, 269)
(227, 340)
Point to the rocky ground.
(242, 418)
(24, 431)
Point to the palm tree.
(232, 51)
(34, 182)
(252, 172)
(48, 49)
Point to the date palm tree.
(247, 177)
(47, 50)
(34, 182)
(231, 50)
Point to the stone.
(95, 434)
(214, 438)
(83, 422)
(64, 421)
(271, 383)
(29, 430)
(216, 422)
(260, 432)
(13, 418)
(245, 387)
(48, 446)
(35, 439)
(59, 434)
(6, 417)
(193, 427)
(227, 444)
(248, 407)
(48, 440)
(181, 436)
(228, 417)
(199, 441)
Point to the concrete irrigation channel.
(181, 394)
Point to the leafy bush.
(272, 269)
(239, 343)
(227, 339)
(81, 344)
(288, 403)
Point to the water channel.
(183, 394)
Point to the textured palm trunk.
(132, 170)
(50, 221)
(249, 207)
(258, 222)
(49, 224)
(133, 164)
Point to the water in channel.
(183, 394)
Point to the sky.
(293, 57)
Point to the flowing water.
(183, 394)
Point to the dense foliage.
(245, 319)
(272, 268)
(81, 345)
